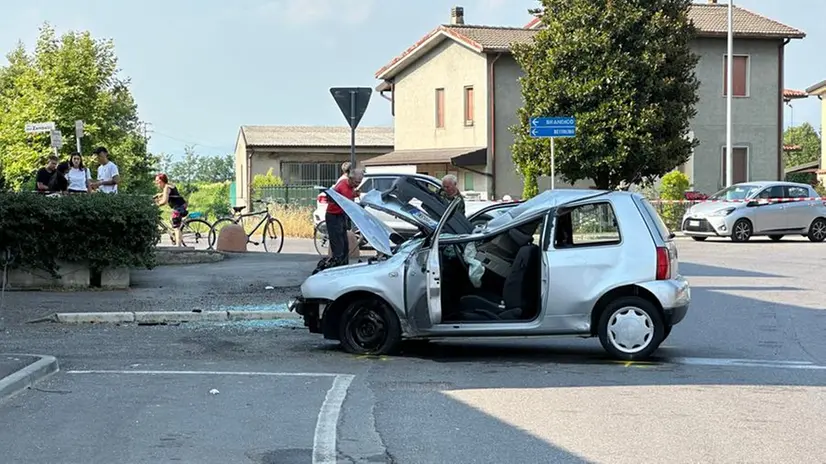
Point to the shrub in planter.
(104, 231)
(673, 187)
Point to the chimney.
(457, 15)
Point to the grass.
(297, 220)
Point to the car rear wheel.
(741, 232)
(776, 238)
(817, 231)
(699, 239)
(369, 326)
(631, 328)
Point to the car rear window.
(658, 221)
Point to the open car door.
(434, 271)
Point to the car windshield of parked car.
(736, 192)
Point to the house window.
(469, 181)
(309, 174)
(740, 76)
(740, 164)
(440, 108)
(468, 106)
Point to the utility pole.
(729, 92)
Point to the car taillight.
(663, 264)
(322, 198)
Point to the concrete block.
(167, 317)
(95, 318)
(116, 277)
(71, 275)
(260, 315)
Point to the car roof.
(550, 199)
(774, 183)
(402, 174)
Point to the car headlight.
(722, 212)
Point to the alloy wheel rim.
(742, 231)
(819, 230)
(630, 330)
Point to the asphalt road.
(740, 380)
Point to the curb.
(28, 376)
(165, 317)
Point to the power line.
(189, 142)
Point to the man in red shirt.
(336, 219)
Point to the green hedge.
(101, 230)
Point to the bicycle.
(192, 227)
(321, 238)
(273, 229)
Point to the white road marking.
(325, 449)
(324, 440)
(805, 365)
(262, 374)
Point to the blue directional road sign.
(544, 127)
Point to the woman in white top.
(79, 176)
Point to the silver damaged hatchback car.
(578, 263)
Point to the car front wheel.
(741, 232)
(817, 231)
(369, 327)
(631, 328)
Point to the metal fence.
(292, 195)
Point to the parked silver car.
(567, 262)
(750, 209)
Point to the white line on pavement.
(262, 374)
(324, 440)
(747, 363)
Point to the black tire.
(369, 326)
(274, 235)
(320, 238)
(741, 231)
(216, 229)
(776, 238)
(667, 331)
(817, 231)
(646, 314)
(196, 229)
(699, 239)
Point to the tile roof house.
(457, 89)
(819, 90)
(301, 155)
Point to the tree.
(68, 78)
(809, 141)
(624, 69)
(195, 168)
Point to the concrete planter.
(71, 276)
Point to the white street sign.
(39, 127)
(57, 139)
(79, 129)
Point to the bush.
(673, 187)
(262, 181)
(211, 200)
(297, 220)
(100, 230)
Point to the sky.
(200, 69)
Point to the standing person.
(79, 176)
(108, 175)
(45, 174)
(450, 191)
(337, 220)
(59, 183)
(171, 196)
(345, 170)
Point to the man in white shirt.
(108, 175)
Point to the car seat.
(520, 293)
(498, 254)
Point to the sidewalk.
(19, 372)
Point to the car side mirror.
(753, 203)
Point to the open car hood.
(376, 232)
(413, 202)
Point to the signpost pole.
(353, 97)
(553, 175)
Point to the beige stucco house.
(454, 95)
(302, 155)
(819, 90)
